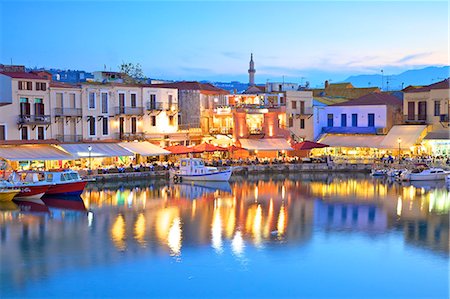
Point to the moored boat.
(31, 188)
(8, 194)
(66, 182)
(194, 169)
(424, 174)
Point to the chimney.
(326, 83)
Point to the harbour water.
(277, 236)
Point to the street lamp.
(399, 140)
(90, 159)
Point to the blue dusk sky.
(211, 40)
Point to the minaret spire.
(251, 71)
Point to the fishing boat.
(8, 194)
(379, 172)
(194, 169)
(64, 182)
(424, 174)
(29, 185)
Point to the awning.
(438, 135)
(98, 150)
(410, 135)
(33, 152)
(272, 144)
(352, 141)
(144, 148)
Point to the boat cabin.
(61, 176)
(193, 166)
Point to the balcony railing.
(34, 119)
(125, 110)
(69, 138)
(443, 118)
(68, 112)
(129, 136)
(224, 131)
(418, 118)
(151, 106)
(304, 111)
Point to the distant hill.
(423, 76)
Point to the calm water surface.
(301, 236)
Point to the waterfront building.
(430, 106)
(358, 126)
(299, 115)
(25, 107)
(196, 101)
(66, 112)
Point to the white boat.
(425, 174)
(193, 169)
(379, 172)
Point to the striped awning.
(269, 144)
(32, 152)
(98, 150)
(144, 148)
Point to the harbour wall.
(239, 170)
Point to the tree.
(133, 71)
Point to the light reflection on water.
(137, 221)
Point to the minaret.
(251, 72)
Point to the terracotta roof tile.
(444, 84)
(23, 75)
(373, 99)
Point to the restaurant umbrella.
(180, 149)
(207, 147)
(308, 145)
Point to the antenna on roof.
(11, 60)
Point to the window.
(170, 101)
(437, 108)
(354, 120)
(104, 102)
(92, 126)
(133, 125)
(24, 85)
(91, 104)
(302, 123)
(171, 119)
(25, 108)
(59, 100)
(343, 120)
(371, 120)
(302, 107)
(133, 100)
(294, 104)
(72, 101)
(41, 86)
(39, 106)
(152, 101)
(40, 133)
(291, 122)
(330, 120)
(2, 132)
(105, 126)
(153, 121)
(24, 133)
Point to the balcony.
(302, 112)
(130, 136)
(223, 131)
(34, 120)
(69, 138)
(125, 110)
(162, 106)
(415, 119)
(443, 118)
(76, 112)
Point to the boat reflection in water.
(141, 220)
